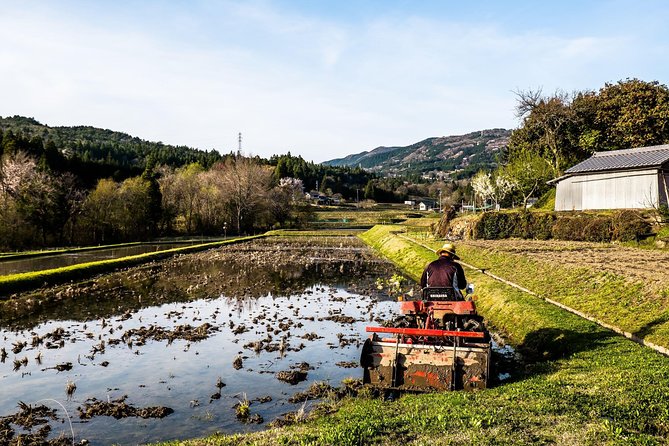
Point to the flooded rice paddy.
(40, 263)
(170, 349)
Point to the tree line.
(51, 196)
(40, 206)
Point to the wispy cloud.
(288, 80)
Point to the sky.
(321, 79)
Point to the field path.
(634, 264)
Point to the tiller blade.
(426, 359)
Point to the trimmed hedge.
(622, 226)
(498, 225)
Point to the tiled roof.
(653, 156)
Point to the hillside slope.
(468, 152)
(101, 146)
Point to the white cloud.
(287, 81)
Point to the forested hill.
(468, 153)
(94, 152)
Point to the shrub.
(500, 225)
(629, 226)
(623, 226)
(597, 229)
(543, 225)
(523, 225)
(663, 233)
(568, 228)
(663, 213)
(493, 225)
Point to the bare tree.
(550, 118)
(245, 184)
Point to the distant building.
(617, 179)
(316, 197)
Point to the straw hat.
(448, 248)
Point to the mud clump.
(64, 367)
(303, 366)
(238, 363)
(292, 377)
(347, 364)
(287, 419)
(342, 319)
(321, 389)
(34, 424)
(311, 336)
(315, 391)
(243, 413)
(120, 409)
(240, 329)
(186, 332)
(17, 347)
(255, 419)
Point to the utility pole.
(439, 200)
(357, 199)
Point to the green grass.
(367, 216)
(606, 296)
(24, 281)
(546, 202)
(314, 233)
(663, 233)
(580, 384)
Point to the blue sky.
(322, 79)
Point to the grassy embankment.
(23, 281)
(580, 385)
(325, 218)
(603, 295)
(314, 233)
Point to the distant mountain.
(440, 155)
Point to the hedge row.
(621, 226)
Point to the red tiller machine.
(438, 343)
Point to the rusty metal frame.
(426, 332)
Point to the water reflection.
(59, 260)
(100, 338)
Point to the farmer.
(445, 272)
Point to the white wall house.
(617, 179)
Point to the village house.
(427, 205)
(617, 179)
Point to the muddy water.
(166, 334)
(60, 260)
